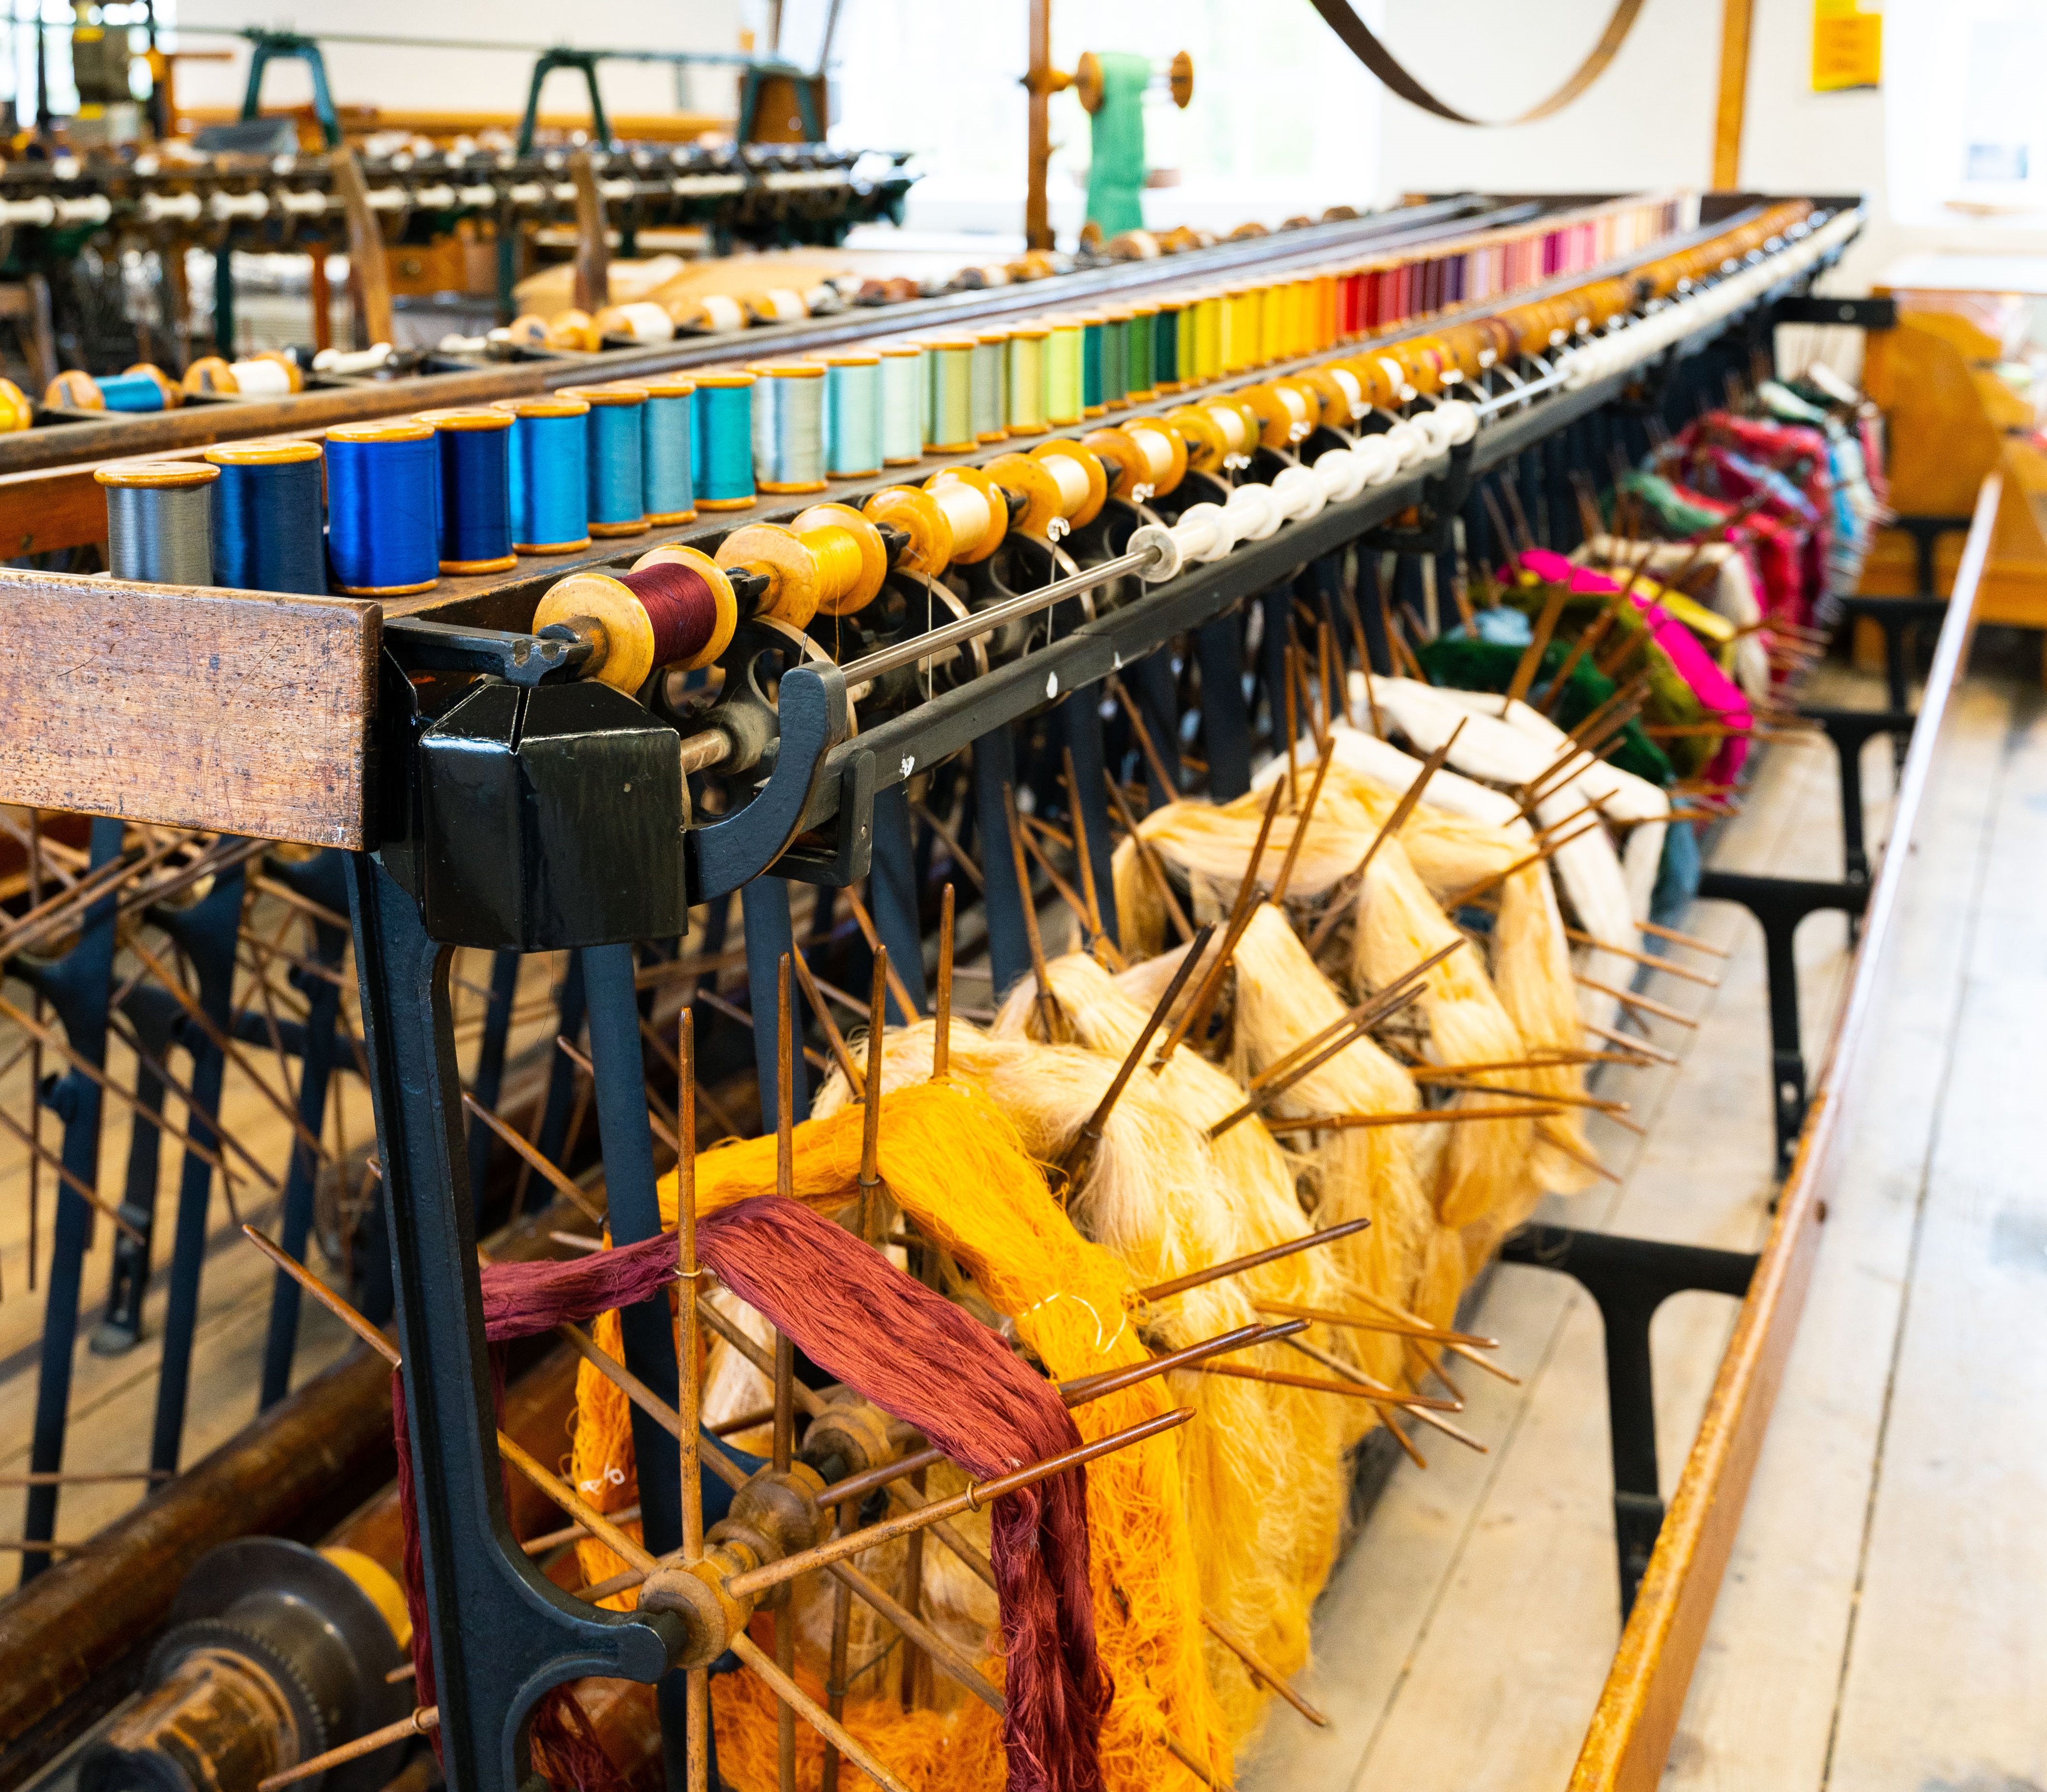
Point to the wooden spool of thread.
(383, 487)
(789, 427)
(1065, 386)
(1165, 347)
(1140, 353)
(667, 428)
(676, 607)
(724, 458)
(853, 558)
(614, 465)
(988, 375)
(143, 387)
(574, 330)
(1145, 458)
(1285, 415)
(1082, 479)
(957, 517)
(474, 448)
(852, 414)
(948, 423)
(548, 467)
(1209, 310)
(904, 403)
(16, 412)
(642, 323)
(1338, 392)
(1028, 385)
(776, 304)
(832, 567)
(160, 521)
(708, 314)
(266, 517)
(1115, 360)
(1094, 352)
(268, 375)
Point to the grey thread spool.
(160, 521)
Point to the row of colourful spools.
(468, 490)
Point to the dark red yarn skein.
(919, 1358)
(680, 604)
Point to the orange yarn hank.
(955, 1164)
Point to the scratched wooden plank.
(246, 712)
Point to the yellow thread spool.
(1029, 379)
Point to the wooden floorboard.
(1762, 1704)
(1947, 1658)
(1463, 1642)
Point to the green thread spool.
(903, 402)
(1142, 340)
(1064, 402)
(990, 375)
(1030, 385)
(1116, 361)
(1091, 366)
(949, 426)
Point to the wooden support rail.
(1639, 1712)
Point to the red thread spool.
(675, 608)
(680, 604)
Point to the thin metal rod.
(1200, 1278)
(986, 621)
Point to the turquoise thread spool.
(725, 441)
(618, 496)
(852, 414)
(548, 473)
(902, 403)
(789, 427)
(667, 426)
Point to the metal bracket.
(1855, 314)
(1629, 1279)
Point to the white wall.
(470, 80)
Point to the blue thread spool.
(474, 451)
(852, 414)
(667, 422)
(725, 441)
(266, 517)
(383, 490)
(549, 473)
(618, 496)
(789, 427)
(903, 404)
(160, 521)
(142, 387)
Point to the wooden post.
(369, 272)
(1037, 222)
(593, 253)
(1736, 17)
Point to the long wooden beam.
(1639, 1712)
(1737, 17)
(239, 710)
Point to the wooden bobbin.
(1073, 455)
(572, 329)
(1285, 414)
(1207, 449)
(1336, 393)
(956, 518)
(1046, 514)
(607, 613)
(211, 374)
(796, 574)
(1144, 458)
(854, 560)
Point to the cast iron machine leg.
(1628, 1278)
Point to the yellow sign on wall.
(1847, 44)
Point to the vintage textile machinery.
(572, 753)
